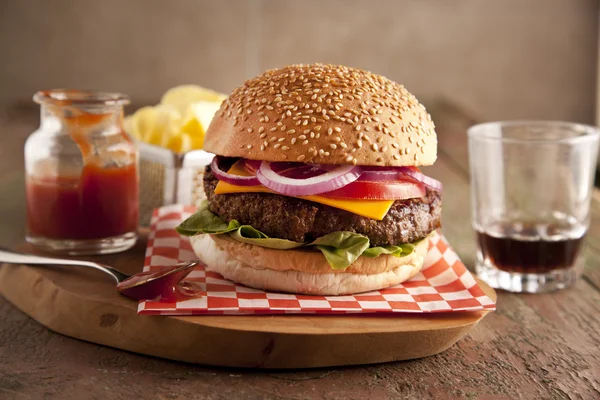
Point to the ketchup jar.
(81, 175)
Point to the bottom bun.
(295, 280)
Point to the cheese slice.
(375, 209)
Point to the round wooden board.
(83, 303)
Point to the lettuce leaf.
(394, 250)
(204, 221)
(247, 234)
(340, 249)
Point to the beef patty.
(303, 221)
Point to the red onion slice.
(376, 174)
(230, 178)
(252, 165)
(413, 173)
(397, 174)
(325, 182)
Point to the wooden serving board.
(83, 303)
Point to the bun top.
(325, 114)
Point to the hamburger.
(315, 186)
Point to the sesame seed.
(291, 131)
(337, 129)
(276, 146)
(285, 148)
(249, 130)
(333, 146)
(349, 158)
(262, 147)
(300, 158)
(249, 146)
(359, 143)
(416, 157)
(380, 159)
(281, 91)
(396, 157)
(374, 147)
(305, 143)
(280, 140)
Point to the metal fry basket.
(168, 178)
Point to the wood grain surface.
(533, 347)
(84, 304)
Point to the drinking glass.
(531, 188)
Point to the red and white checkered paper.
(443, 285)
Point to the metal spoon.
(164, 282)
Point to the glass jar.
(81, 171)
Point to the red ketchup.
(102, 202)
(165, 284)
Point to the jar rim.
(65, 97)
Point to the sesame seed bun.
(305, 272)
(324, 114)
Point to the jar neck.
(80, 109)
(89, 118)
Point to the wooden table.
(534, 346)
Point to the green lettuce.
(340, 248)
(248, 234)
(203, 221)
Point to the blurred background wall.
(496, 59)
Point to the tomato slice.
(384, 190)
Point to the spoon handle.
(12, 257)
